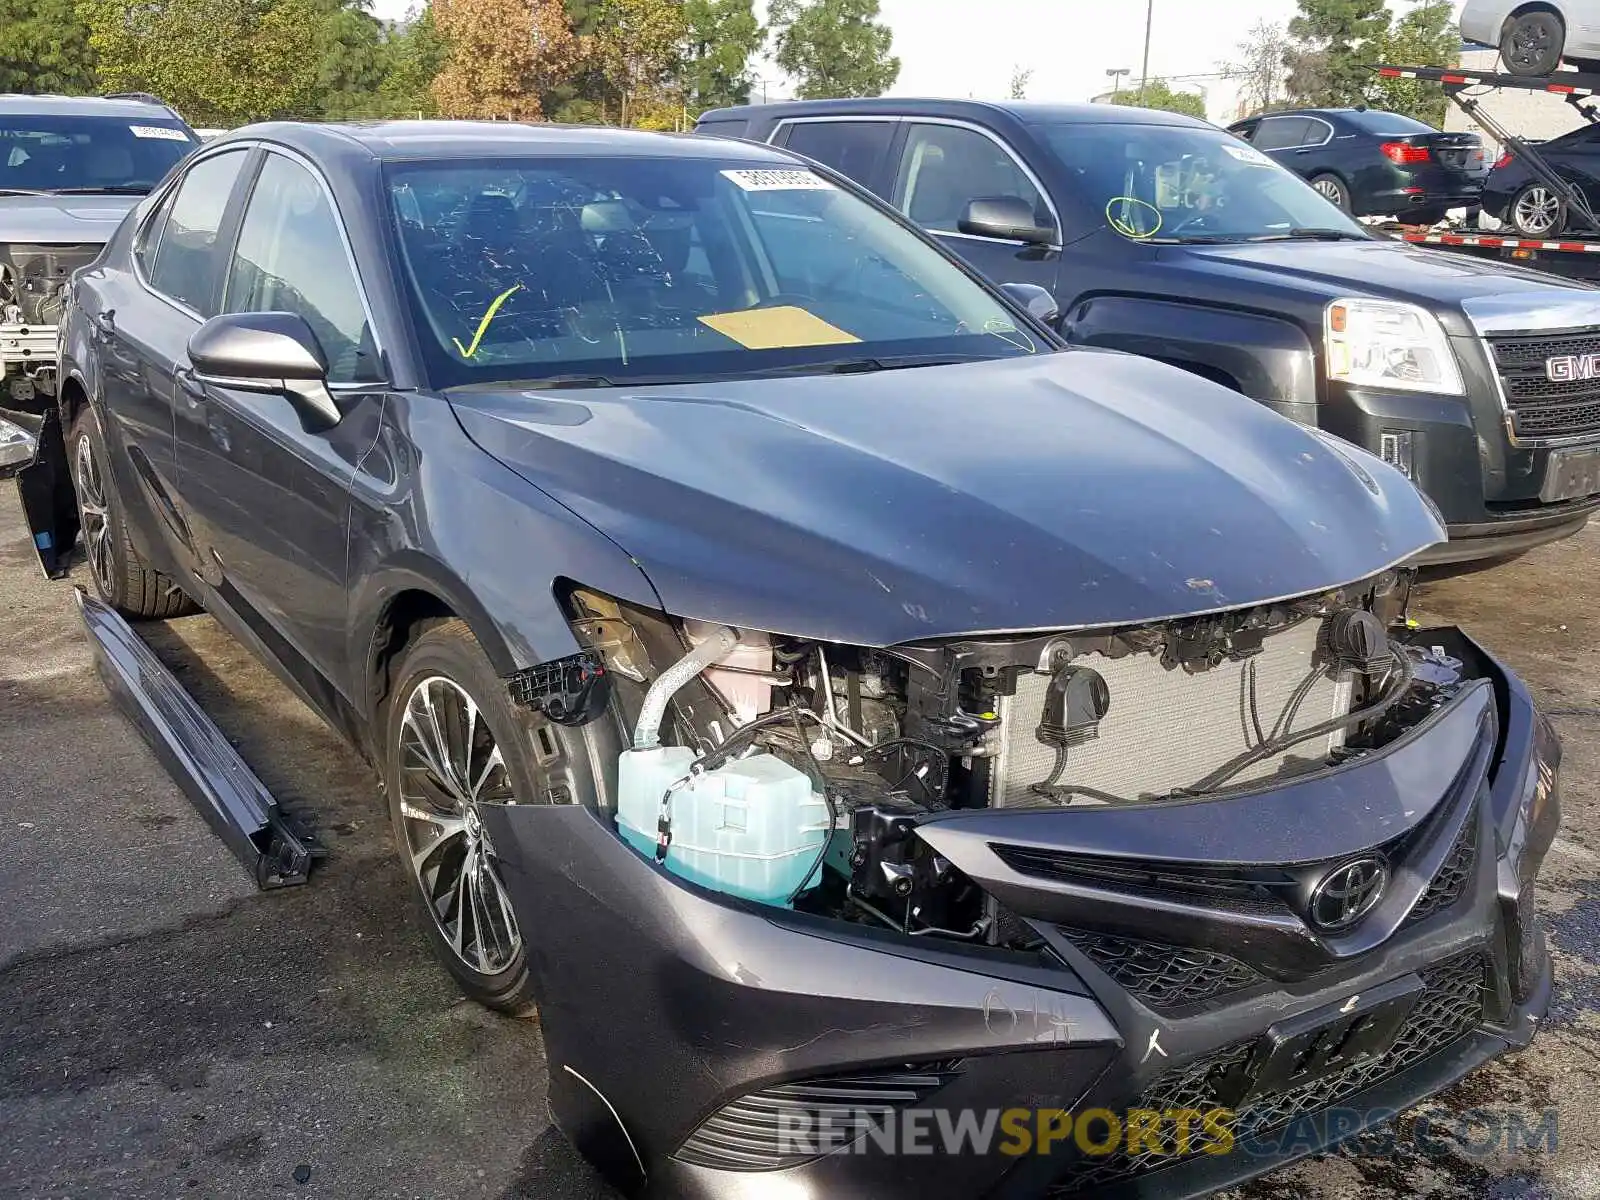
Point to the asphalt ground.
(165, 1030)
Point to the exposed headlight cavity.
(1386, 344)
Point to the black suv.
(1165, 236)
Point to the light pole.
(1116, 74)
(1144, 70)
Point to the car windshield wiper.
(552, 383)
(1311, 235)
(864, 366)
(9, 191)
(117, 189)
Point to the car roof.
(17, 104)
(1026, 111)
(430, 140)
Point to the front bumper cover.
(663, 1005)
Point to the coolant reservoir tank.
(748, 695)
(751, 828)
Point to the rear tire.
(1332, 189)
(1532, 44)
(453, 741)
(1536, 211)
(121, 576)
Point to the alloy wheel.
(1528, 44)
(1537, 211)
(450, 766)
(1328, 189)
(93, 514)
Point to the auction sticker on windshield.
(159, 132)
(778, 181)
(1249, 154)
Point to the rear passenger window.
(944, 167)
(852, 148)
(1280, 133)
(187, 266)
(291, 258)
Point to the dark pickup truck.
(1167, 237)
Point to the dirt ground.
(165, 1030)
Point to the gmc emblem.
(1569, 367)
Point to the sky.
(966, 48)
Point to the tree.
(44, 47)
(350, 60)
(223, 61)
(504, 56)
(723, 36)
(414, 54)
(1328, 64)
(833, 47)
(1158, 93)
(1260, 68)
(1020, 79)
(1425, 37)
(635, 53)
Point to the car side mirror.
(273, 352)
(1041, 305)
(17, 446)
(1008, 217)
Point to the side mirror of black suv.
(1004, 217)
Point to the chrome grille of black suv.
(1163, 977)
(1539, 406)
(1450, 1005)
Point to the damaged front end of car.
(1262, 862)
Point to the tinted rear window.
(1388, 123)
(853, 148)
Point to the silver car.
(1534, 38)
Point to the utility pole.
(1144, 71)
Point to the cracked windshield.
(1169, 184)
(586, 272)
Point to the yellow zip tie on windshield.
(1126, 227)
(483, 325)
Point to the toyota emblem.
(1347, 893)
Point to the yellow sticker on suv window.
(779, 328)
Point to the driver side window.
(291, 258)
(945, 167)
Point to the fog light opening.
(1395, 449)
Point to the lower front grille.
(793, 1123)
(1450, 1005)
(1548, 381)
(1163, 977)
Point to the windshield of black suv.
(1166, 183)
(89, 154)
(590, 271)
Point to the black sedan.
(1532, 207)
(855, 720)
(1372, 163)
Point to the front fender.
(1267, 359)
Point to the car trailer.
(1576, 255)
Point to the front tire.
(121, 576)
(1537, 212)
(1332, 189)
(1532, 44)
(453, 742)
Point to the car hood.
(62, 220)
(1439, 279)
(1072, 489)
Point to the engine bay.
(796, 773)
(33, 291)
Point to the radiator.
(1169, 729)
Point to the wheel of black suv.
(1537, 212)
(1531, 44)
(121, 576)
(453, 743)
(1332, 189)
